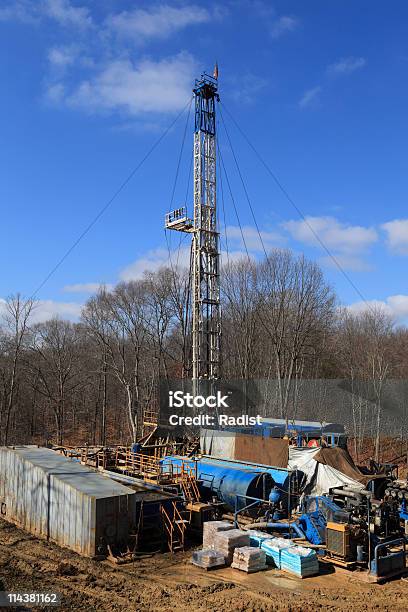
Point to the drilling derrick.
(205, 238)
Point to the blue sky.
(87, 87)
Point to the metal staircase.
(190, 489)
(150, 421)
(192, 447)
(175, 523)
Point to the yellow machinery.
(338, 540)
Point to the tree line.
(91, 381)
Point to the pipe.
(364, 492)
(298, 530)
(242, 519)
(354, 494)
(266, 525)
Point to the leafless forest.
(89, 382)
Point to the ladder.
(192, 446)
(175, 525)
(190, 489)
(150, 421)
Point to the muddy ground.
(170, 583)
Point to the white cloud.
(247, 87)
(63, 56)
(397, 235)
(86, 287)
(332, 232)
(346, 242)
(155, 259)
(282, 25)
(347, 65)
(66, 14)
(61, 11)
(252, 239)
(347, 262)
(266, 12)
(107, 77)
(160, 258)
(158, 22)
(310, 96)
(122, 85)
(235, 256)
(55, 93)
(19, 10)
(47, 309)
(394, 305)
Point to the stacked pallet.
(227, 541)
(300, 561)
(273, 548)
(211, 528)
(256, 537)
(208, 559)
(249, 559)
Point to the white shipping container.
(57, 498)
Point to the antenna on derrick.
(205, 263)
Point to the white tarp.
(319, 477)
(328, 477)
(302, 459)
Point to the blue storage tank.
(281, 477)
(227, 480)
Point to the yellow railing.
(150, 417)
(151, 467)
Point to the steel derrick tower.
(205, 264)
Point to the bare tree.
(16, 320)
(378, 326)
(297, 308)
(241, 323)
(55, 366)
(118, 320)
(351, 348)
(365, 342)
(178, 341)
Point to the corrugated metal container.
(61, 500)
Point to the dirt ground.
(170, 583)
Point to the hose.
(266, 525)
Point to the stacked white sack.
(227, 541)
(300, 561)
(256, 537)
(273, 549)
(249, 559)
(211, 528)
(208, 558)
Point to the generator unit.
(351, 523)
(346, 543)
(338, 540)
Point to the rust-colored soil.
(171, 583)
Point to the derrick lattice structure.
(205, 264)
